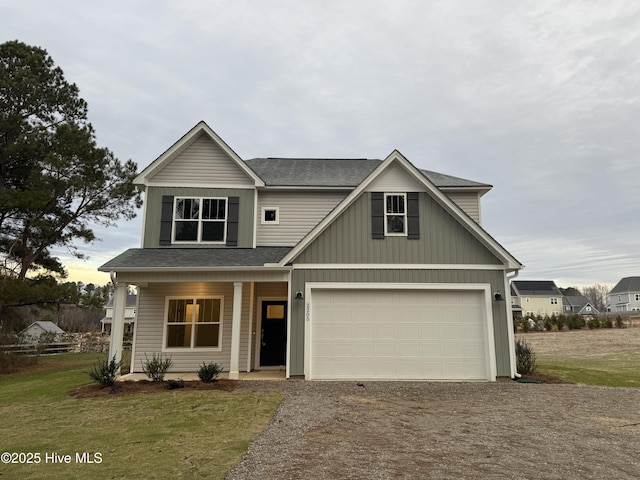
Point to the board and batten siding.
(150, 325)
(298, 213)
(468, 202)
(443, 240)
(202, 162)
(153, 206)
(494, 278)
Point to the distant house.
(129, 315)
(38, 331)
(625, 296)
(578, 304)
(537, 297)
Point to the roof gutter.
(266, 268)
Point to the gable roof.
(578, 303)
(536, 288)
(168, 259)
(338, 172)
(396, 157)
(46, 326)
(627, 284)
(131, 300)
(178, 147)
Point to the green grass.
(178, 433)
(611, 370)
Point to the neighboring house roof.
(47, 327)
(396, 157)
(534, 288)
(131, 301)
(335, 172)
(193, 258)
(627, 284)
(578, 303)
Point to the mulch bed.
(146, 386)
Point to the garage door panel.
(397, 334)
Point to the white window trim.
(200, 221)
(554, 301)
(191, 348)
(265, 222)
(406, 229)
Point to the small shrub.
(593, 323)
(105, 372)
(607, 323)
(177, 383)
(525, 358)
(157, 367)
(619, 322)
(208, 372)
(548, 326)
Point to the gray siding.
(153, 205)
(468, 202)
(443, 240)
(495, 278)
(202, 162)
(150, 325)
(299, 212)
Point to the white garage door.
(398, 334)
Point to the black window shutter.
(413, 216)
(377, 215)
(233, 213)
(166, 220)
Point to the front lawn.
(608, 357)
(177, 433)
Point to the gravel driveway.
(447, 430)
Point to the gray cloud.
(540, 100)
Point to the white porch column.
(234, 367)
(117, 322)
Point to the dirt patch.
(583, 343)
(146, 386)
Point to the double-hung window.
(395, 214)
(193, 322)
(200, 220)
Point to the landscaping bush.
(575, 322)
(593, 323)
(525, 358)
(606, 323)
(208, 372)
(157, 367)
(105, 372)
(619, 322)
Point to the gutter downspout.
(512, 347)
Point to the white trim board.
(394, 266)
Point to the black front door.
(273, 336)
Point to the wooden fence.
(58, 347)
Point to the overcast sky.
(539, 99)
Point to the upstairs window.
(554, 301)
(637, 297)
(270, 216)
(199, 220)
(395, 214)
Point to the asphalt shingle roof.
(172, 258)
(334, 172)
(627, 284)
(536, 287)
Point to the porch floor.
(187, 376)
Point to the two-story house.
(625, 296)
(328, 268)
(537, 297)
(129, 315)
